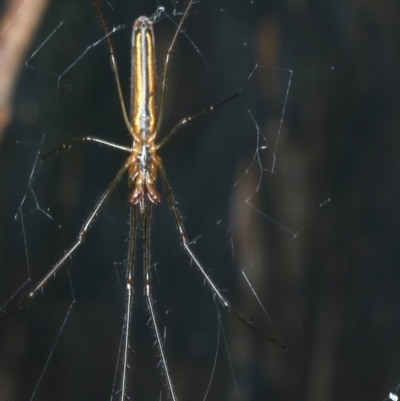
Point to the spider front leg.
(185, 243)
(129, 298)
(148, 292)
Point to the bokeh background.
(312, 217)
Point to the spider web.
(56, 196)
(269, 187)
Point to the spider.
(143, 166)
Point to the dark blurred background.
(313, 215)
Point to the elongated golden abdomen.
(143, 79)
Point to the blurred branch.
(17, 28)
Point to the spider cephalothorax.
(143, 169)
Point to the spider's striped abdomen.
(143, 115)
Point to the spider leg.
(67, 145)
(114, 66)
(188, 119)
(149, 298)
(166, 63)
(185, 243)
(129, 297)
(81, 237)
